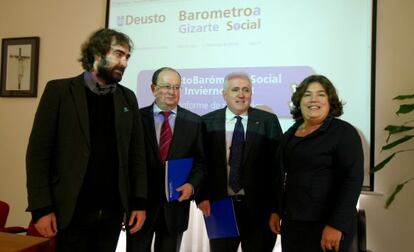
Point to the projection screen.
(278, 43)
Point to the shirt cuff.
(39, 213)
(139, 203)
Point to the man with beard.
(85, 160)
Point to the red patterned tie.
(165, 136)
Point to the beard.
(109, 74)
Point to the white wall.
(63, 25)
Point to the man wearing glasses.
(171, 132)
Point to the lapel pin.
(126, 109)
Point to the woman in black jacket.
(322, 159)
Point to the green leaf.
(390, 199)
(393, 129)
(382, 164)
(397, 189)
(397, 142)
(405, 108)
(403, 97)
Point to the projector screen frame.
(371, 154)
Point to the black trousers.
(255, 234)
(298, 236)
(164, 241)
(91, 231)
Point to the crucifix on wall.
(19, 67)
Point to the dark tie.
(165, 136)
(236, 153)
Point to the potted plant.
(399, 134)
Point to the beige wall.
(392, 229)
(63, 25)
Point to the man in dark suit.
(254, 177)
(86, 155)
(168, 220)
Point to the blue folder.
(222, 221)
(176, 174)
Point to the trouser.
(298, 236)
(96, 231)
(255, 234)
(164, 241)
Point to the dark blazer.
(59, 148)
(258, 169)
(324, 174)
(186, 142)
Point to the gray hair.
(233, 75)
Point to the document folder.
(176, 174)
(222, 220)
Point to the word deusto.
(129, 20)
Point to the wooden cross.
(20, 72)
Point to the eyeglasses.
(170, 87)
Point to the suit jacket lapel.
(253, 126)
(148, 121)
(179, 131)
(220, 125)
(120, 106)
(79, 97)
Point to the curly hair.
(99, 43)
(336, 106)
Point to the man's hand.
(46, 225)
(274, 223)
(186, 191)
(136, 220)
(204, 206)
(331, 238)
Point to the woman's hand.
(331, 238)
